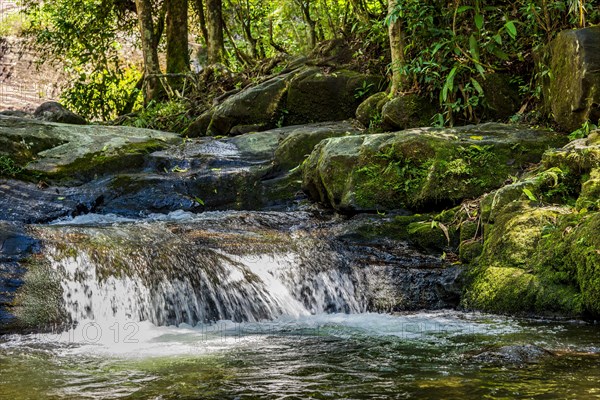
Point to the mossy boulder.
(517, 231)
(420, 168)
(572, 94)
(369, 111)
(510, 290)
(317, 96)
(502, 98)
(590, 192)
(538, 259)
(303, 96)
(257, 106)
(407, 111)
(301, 140)
(75, 153)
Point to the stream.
(270, 305)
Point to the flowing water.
(269, 306)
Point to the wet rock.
(572, 94)
(15, 245)
(420, 168)
(246, 172)
(75, 154)
(33, 203)
(52, 111)
(517, 355)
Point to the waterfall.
(224, 266)
(189, 272)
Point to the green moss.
(590, 192)
(514, 291)
(517, 232)
(105, 162)
(38, 304)
(469, 250)
(570, 254)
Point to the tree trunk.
(178, 58)
(215, 42)
(199, 8)
(152, 86)
(312, 25)
(397, 50)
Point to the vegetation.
(442, 50)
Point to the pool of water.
(349, 356)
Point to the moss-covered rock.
(74, 153)
(501, 96)
(572, 94)
(369, 111)
(303, 96)
(590, 192)
(407, 111)
(301, 140)
(420, 168)
(511, 290)
(517, 231)
(257, 105)
(316, 96)
(469, 250)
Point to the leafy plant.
(584, 131)
(8, 167)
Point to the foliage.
(451, 47)
(85, 36)
(8, 167)
(170, 116)
(584, 131)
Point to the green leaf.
(511, 29)
(462, 9)
(199, 200)
(529, 195)
(498, 39)
(480, 69)
(474, 48)
(479, 21)
(477, 86)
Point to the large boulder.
(540, 254)
(407, 111)
(250, 172)
(52, 111)
(317, 96)
(420, 168)
(303, 96)
(572, 93)
(75, 153)
(254, 108)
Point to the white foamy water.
(130, 339)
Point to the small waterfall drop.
(174, 273)
(229, 266)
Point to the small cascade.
(234, 266)
(174, 273)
